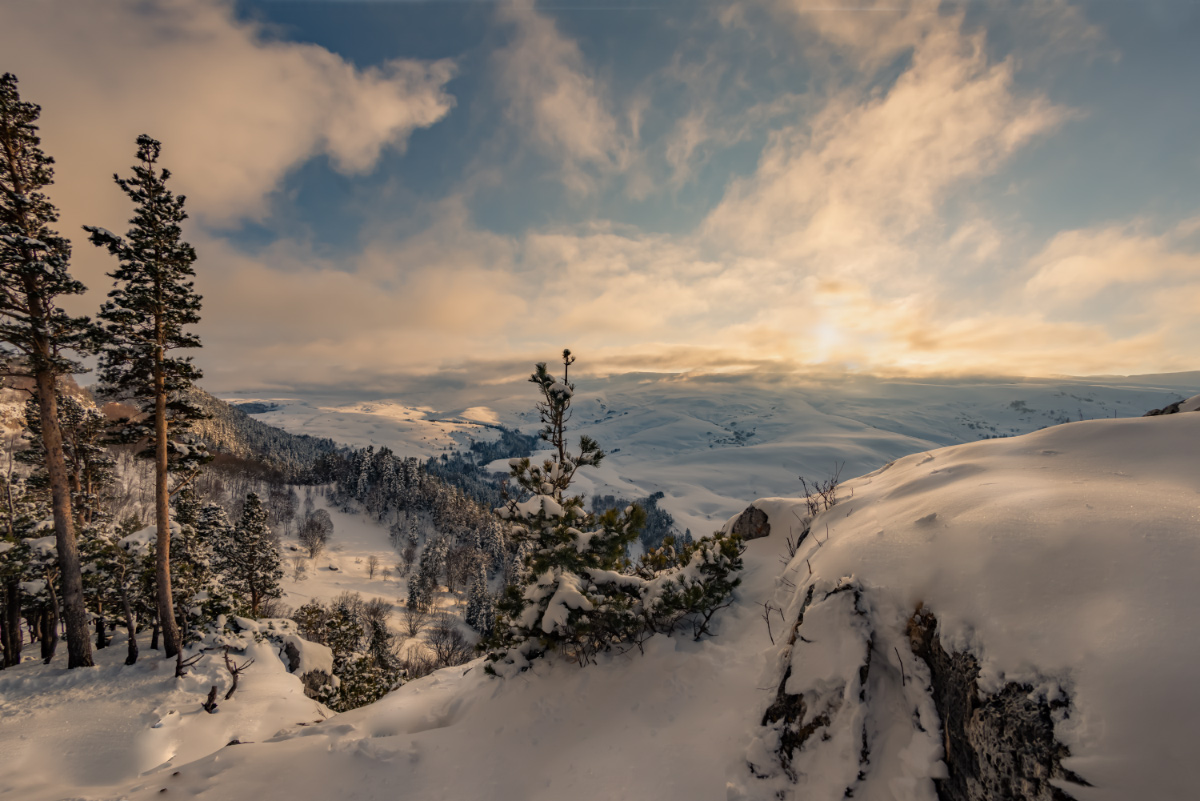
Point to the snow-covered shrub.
(365, 664)
(578, 594)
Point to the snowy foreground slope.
(1064, 560)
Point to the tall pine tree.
(35, 334)
(144, 321)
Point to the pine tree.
(481, 610)
(255, 558)
(35, 334)
(343, 632)
(90, 467)
(414, 538)
(560, 606)
(191, 574)
(144, 320)
(126, 567)
(577, 592)
(20, 513)
(214, 528)
(421, 586)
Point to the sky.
(381, 192)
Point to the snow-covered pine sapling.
(481, 609)
(256, 565)
(144, 321)
(557, 607)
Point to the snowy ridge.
(1061, 560)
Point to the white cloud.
(835, 251)
(236, 110)
(1076, 265)
(853, 188)
(554, 98)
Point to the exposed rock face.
(313, 680)
(1169, 409)
(788, 710)
(997, 747)
(1190, 405)
(752, 524)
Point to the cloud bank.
(857, 239)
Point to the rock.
(313, 680)
(1190, 405)
(998, 747)
(1169, 409)
(752, 524)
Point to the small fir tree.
(558, 607)
(255, 565)
(145, 319)
(578, 595)
(481, 609)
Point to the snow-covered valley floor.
(1064, 560)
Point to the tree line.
(140, 335)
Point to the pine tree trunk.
(131, 626)
(12, 623)
(101, 635)
(3, 635)
(50, 640)
(49, 626)
(154, 636)
(162, 516)
(79, 643)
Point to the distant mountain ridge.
(230, 430)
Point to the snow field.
(669, 723)
(1064, 559)
(355, 538)
(83, 733)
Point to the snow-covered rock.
(1059, 567)
(1190, 405)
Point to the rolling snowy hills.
(710, 443)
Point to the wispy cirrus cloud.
(553, 97)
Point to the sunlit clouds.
(786, 187)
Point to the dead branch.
(181, 663)
(235, 670)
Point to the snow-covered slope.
(74, 734)
(1064, 559)
(709, 443)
